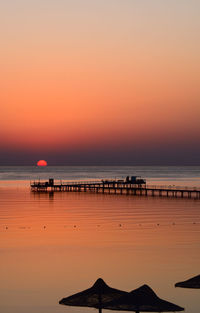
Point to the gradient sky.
(100, 82)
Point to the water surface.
(52, 246)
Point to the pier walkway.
(118, 187)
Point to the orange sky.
(82, 75)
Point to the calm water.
(54, 245)
(188, 175)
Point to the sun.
(41, 163)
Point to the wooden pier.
(135, 186)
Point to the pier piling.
(135, 187)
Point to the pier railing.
(62, 183)
(173, 187)
(110, 181)
(114, 186)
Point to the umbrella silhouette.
(95, 296)
(142, 299)
(193, 282)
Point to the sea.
(55, 245)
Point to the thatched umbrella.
(193, 282)
(142, 299)
(96, 296)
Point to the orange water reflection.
(54, 245)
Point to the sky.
(100, 82)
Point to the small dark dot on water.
(173, 223)
(194, 223)
(158, 224)
(44, 227)
(120, 225)
(6, 227)
(74, 226)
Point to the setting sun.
(42, 163)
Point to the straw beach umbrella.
(142, 299)
(193, 282)
(96, 296)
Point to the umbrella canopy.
(142, 299)
(193, 282)
(95, 296)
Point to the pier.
(129, 186)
